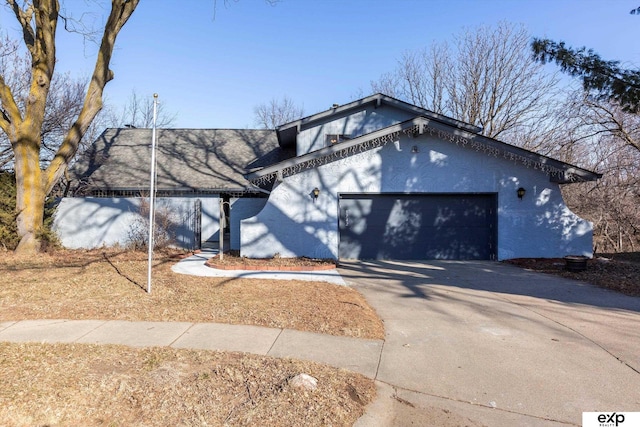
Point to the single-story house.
(376, 178)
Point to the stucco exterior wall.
(539, 225)
(354, 124)
(242, 209)
(92, 222)
(210, 219)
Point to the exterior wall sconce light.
(521, 191)
(316, 193)
(414, 149)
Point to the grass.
(77, 384)
(106, 385)
(111, 285)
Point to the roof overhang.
(558, 171)
(98, 191)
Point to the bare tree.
(138, 113)
(487, 78)
(421, 78)
(64, 103)
(23, 126)
(277, 112)
(603, 136)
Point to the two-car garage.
(418, 226)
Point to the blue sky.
(212, 70)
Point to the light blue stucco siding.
(353, 124)
(93, 222)
(242, 209)
(539, 225)
(210, 218)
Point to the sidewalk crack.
(275, 341)
(379, 359)
(181, 335)
(92, 330)
(452, 399)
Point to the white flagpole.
(152, 190)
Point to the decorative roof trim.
(96, 191)
(558, 171)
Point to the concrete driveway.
(484, 343)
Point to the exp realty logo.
(610, 419)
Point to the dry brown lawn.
(111, 285)
(74, 384)
(107, 385)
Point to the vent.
(334, 138)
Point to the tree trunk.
(30, 192)
(38, 20)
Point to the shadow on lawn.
(81, 259)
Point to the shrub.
(8, 227)
(164, 234)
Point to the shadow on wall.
(91, 222)
(349, 125)
(284, 236)
(95, 222)
(572, 231)
(461, 207)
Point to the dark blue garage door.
(417, 227)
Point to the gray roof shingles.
(187, 159)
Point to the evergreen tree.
(603, 79)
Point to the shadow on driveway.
(418, 277)
(503, 340)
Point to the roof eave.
(564, 173)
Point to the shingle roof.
(187, 159)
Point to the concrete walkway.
(194, 266)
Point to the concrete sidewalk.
(354, 354)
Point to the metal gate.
(193, 223)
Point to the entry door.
(417, 227)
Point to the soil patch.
(233, 261)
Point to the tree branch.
(606, 78)
(121, 11)
(24, 19)
(10, 116)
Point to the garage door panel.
(417, 227)
(460, 243)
